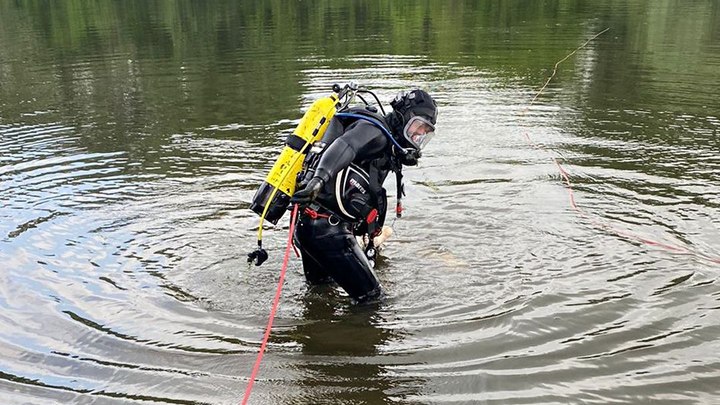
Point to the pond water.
(134, 134)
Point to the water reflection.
(341, 352)
(133, 134)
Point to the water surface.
(134, 134)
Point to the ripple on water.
(125, 275)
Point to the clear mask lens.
(418, 131)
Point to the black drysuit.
(328, 245)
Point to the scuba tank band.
(299, 144)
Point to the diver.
(340, 190)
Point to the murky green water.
(133, 135)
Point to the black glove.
(411, 157)
(309, 193)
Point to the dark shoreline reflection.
(341, 352)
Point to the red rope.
(566, 178)
(273, 311)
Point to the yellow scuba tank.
(273, 197)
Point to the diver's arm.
(363, 140)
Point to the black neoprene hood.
(415, 102)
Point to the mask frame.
(418, 131)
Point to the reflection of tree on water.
(341, 359)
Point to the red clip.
(371, 216)
(314, 214)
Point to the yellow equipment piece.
(267, 202)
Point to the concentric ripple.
(133, 136)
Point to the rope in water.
(563, 173)
(566, 177)
(273, 310)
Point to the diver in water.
(341, 193)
